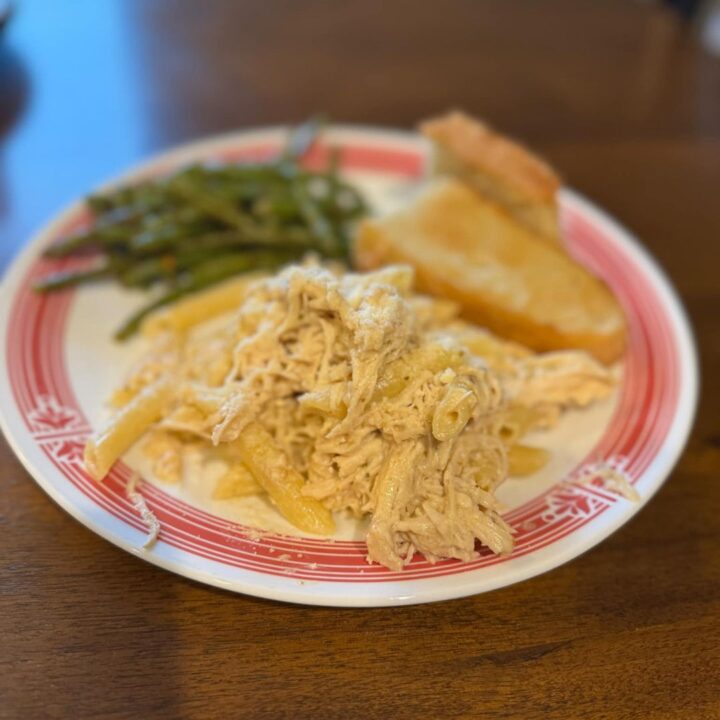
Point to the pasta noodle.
(274, 473)
(195, 309)
(126, 428)
(453, 411)
(526, 460)
(237, 481)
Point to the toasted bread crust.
(475, 144)
(454, 240)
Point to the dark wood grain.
(621, 98)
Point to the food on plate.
(327, 391)
(480, 238)
(187, 312)
(499, 169)
(339, 392)
(465, 248)
(147, 407)
(203, 224)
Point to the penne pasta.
(453, 411)
(199, 307)
(104, 448)
(518, 420)
(238, 481)
(500, 355)
(274, 473)
(526, 460)
(399, 373)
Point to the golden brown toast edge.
(373, 247)
(498, 168)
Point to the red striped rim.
(37, 370)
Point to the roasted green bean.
(203, 224)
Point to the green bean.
(224, 211)
(222, 266)
(146, 272)
(212, 205)
(205, 223)
(248, 175)
(161, 236)
(280, 204)
(301, 139)
(69, 245)
(212, 241)
(191, 258)
(65, 279)
(132, 324)
(316, 221)
(295, 238)
(97, 237)
(120, 216)
(119, 198)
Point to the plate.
(59, 363)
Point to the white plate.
(59, 364)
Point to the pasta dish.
(344, 392)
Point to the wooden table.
(623, 101)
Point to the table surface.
(620, 97)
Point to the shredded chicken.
(383, 402)
(147, 515)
